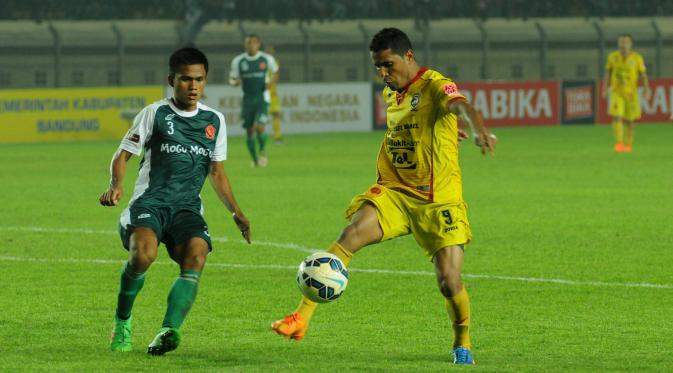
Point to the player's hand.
(486, 141)
(111, 196)
(243, 225)
(648, 93)
(462, 135)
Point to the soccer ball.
(322, 277)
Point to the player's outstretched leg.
(448, 266)
(363, 230)
(142, 252)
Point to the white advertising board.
(305, 108)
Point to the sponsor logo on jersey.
(178, 149)
(134, 137)
(169, 116)
(210, 131)
(144, 216)
(415, 101)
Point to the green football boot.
(121, 335)
(167, 340)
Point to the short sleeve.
(220, 153)
(608, 63)
(273, 64)
(641, 64)
(234, 73)
(444, 91)
(140, 131)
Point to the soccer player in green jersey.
(182, 142)
(251, 71)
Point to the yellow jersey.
(624, 72)
(419, 153)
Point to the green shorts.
(255, 113)
(171, 226)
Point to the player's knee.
(142, 258)
(194, 262)
(450, 285)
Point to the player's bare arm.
(220, 182)
(466, 112)
(646, 85)
(117, 172)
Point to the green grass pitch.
(569, 270)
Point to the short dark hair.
(391, 38)
(187, 56)
(255, 36)
(626, 35)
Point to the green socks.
(181, 297)
(261, 139)
(250, 141)
(130, 285)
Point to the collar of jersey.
(251, 58)
(182, 113)
(420, 73)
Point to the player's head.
(393, 57)
(252, 44)
(188, 72)
(625, 42)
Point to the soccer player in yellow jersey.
(274, 107)
(622, 70)
(418, 190)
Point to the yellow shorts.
(274, 106)
(626, 108)
(434, 225)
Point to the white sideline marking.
(289, 245)
(307, 249)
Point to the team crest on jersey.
(262, 65)
(210, 131)
(415, 101)
(244, 66)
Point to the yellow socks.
(628, 134)
(618, 130)
(275, 122)
(458, 308)
(307, 307)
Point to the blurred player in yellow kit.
(274, 107)
(418, 189)
(622, 70)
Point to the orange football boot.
(291, 326)
(627, 148)
(619, 147)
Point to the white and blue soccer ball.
(322, 277)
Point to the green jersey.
(253, 72)
(178, 149)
